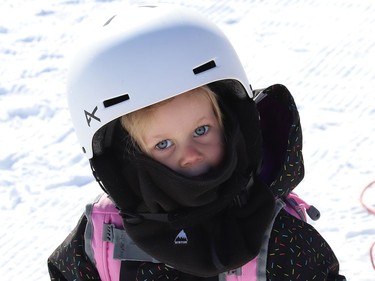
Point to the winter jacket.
(292, 250)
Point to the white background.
(323, 51)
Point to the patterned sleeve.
(69, 261)
(296, 251)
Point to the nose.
(190, 156)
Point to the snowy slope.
(324, 51)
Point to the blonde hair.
(135, 122)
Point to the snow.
(323, 51)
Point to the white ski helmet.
(141, 57)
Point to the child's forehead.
(194, 94)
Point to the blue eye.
(163, 144)
(200, 131)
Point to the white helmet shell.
(141, 57)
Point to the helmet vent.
(204, 67)
(116, 100)
(109, 20)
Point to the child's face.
(184, 134)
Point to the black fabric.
(69, 261)
(296, 251)
(226, 241)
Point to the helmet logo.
(89, 116)
(181, 238)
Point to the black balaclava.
(203, 225)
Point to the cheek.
(216, 153)
(165, 159)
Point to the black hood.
(282, 160)
(201, 226)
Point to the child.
(195, 183)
